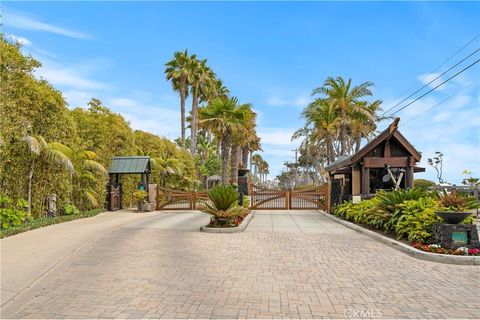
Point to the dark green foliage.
(409, 214)
(385, 214)
(223, 197)
(46, 221)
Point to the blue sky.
(270, 54)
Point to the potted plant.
(455, 207)
(140, 196)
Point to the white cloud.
(18, 21)
(158, 118)
(77, 98)
(23, 41)
(301, 101)
(70, 77)
(435, 77)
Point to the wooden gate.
(309, 198)
(277, 199)
(268, 199)
(168, 199)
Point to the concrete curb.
(240, 228)
(400, 246)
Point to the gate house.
(365, 172)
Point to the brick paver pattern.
(305, 266)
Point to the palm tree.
(86, 173)
(346, 100)
(52, 152)
(202, 79)
(224, 118)
(178, 71)
(241, 139)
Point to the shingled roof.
(391, 131)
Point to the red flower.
(474, 251)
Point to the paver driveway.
(294, 264)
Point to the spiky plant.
(456, 202)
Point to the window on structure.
(381, 180)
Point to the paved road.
(294, 264)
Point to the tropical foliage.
(221, 124)
(407, 214)
(224, 206)
(47, 148)
(335, 123)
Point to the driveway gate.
(280, 199)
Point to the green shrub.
(355, 212)
(423, 184)
(246, 202)
(223, 197)
(70, 209)
(417, 220)
(140, 196)
(385, 214)
(12, 214)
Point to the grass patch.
(45, 221)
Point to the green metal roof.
(129, 164)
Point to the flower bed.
(435, 248)
(407, 215)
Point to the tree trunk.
(29, 192)
(245, 153)
(193, 124)
(225, 145)
(182, 110)
(343, 133)
(358, 141)
(235, 151)
(251, 164)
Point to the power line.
(439, 66)
(423, 95)
(436, 105)
(436, 78)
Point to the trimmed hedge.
(46, 221)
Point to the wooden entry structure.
(313, 198)
(169, 199)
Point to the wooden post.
(365, 181)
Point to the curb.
(400, 246)
(239, 228)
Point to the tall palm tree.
(202, 81)
(52, 152)
(224, 118)
(178, 71)
(347, 100)
(241, 139)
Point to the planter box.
(240, 228)
(148, 207)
